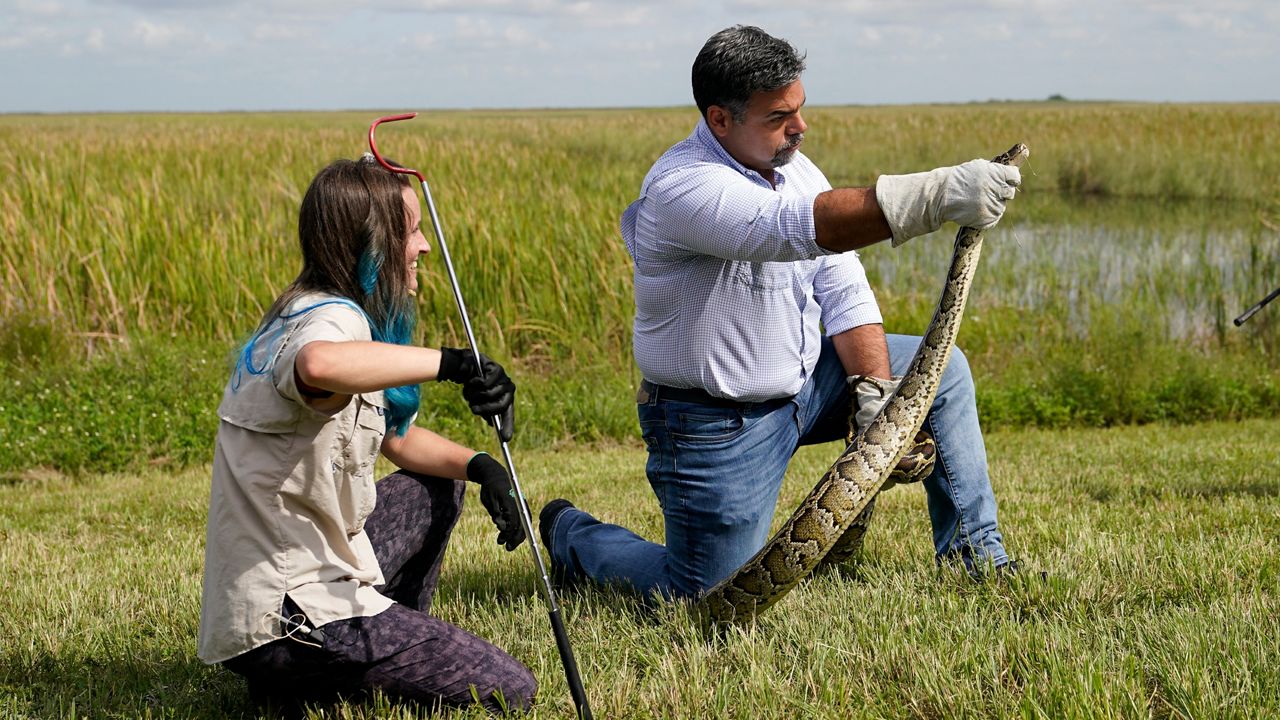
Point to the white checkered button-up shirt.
(732, 291)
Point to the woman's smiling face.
(416, 245)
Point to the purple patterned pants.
(402, 651)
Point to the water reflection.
(1182, 270)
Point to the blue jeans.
(716, 472)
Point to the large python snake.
(830, 522)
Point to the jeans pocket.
(707, 425)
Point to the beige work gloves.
(869, 395)
(970, 195)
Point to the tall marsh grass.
(1141, 231)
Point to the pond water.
(1188, 268)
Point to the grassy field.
(1133, 446)
(1159, 548)
(115, 226)
(139, 250)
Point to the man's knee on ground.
(957, 379)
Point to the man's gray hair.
(738, 62)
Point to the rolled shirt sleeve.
(841, 288)
(325, 321)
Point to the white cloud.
(516, 37)
(95, 40)
(276, 32)
(632, 16)
(423, 41)
(469, 28)
(38, 7)
(1205, 21)
(158, 35)
(478, 33)
(499, 7)
(32, 36)
(172, 5)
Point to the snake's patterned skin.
(831, 521)
(914, 467)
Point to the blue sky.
(189, 55)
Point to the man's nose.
(798, 125)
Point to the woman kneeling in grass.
(317, 581)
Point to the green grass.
(120, 225)
(155, 405)
(1158, 543)
(139, 250)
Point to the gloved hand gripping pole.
(557, 625)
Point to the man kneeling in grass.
(744, 255)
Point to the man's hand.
(488, 391)
(497, 497)
(971, 195)
(869, 396)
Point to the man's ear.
(719, 120)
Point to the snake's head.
(1014, 155)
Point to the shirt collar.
(707, 139)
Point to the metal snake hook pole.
(1256, 307)
(557, 625)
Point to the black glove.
(489, 393)
(498, 498)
